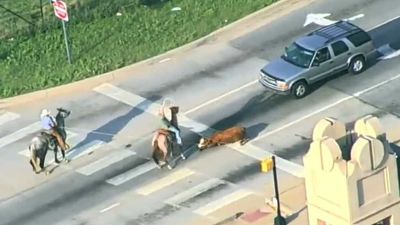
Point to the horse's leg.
(33, 159)
(162, 145)
(55, 150)
(42, 158)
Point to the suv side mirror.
(315, 63)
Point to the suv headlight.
(282, 85)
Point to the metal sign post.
(60, 10)
(66, 42)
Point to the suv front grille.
(266, 78)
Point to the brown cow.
(227, 136)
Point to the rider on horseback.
(50, 125)
(166, 124)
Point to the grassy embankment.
(35, 58)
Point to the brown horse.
(164, 141)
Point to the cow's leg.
(244, 141)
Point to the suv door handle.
(349, 53)
(330, 62)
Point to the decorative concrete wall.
(350, 176)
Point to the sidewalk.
(259, 210)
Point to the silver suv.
(326, 51)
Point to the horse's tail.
(155, 154)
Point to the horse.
(41, 143)
(227, 136)
(165, 141)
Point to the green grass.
(35, 58)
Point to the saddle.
(170, 135)
(47, 134)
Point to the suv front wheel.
(300, 89)
(357, 65)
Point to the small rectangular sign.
(267, 165)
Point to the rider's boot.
(180, 146)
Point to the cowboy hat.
(45, 112)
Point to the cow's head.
(204, 143)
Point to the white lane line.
(192, 192)
(220, 97)
(353, 96)
(26, 153)
(127, 98)
(130, 174)
(105, 162)
(109, 207)
(165, 181)
(164, 60)
(222, 202)
(6, 140)
(7, 117)
(383, 23)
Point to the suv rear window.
(359, 38)
(339, 47)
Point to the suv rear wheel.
(300, 89)
(357, 65)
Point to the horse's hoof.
(47, 173)
(183, 157)
(67, 160)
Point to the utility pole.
(266, 166)
(279, 219)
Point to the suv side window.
(339, 47)
(322, 55)
(359, 38)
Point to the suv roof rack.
(335, 30)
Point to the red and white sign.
(60, 9)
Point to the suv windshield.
(298, 56)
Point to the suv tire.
(300, 89)
(357, 65)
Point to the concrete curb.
(280, 8)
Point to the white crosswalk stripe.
(165, 181)
(105, 162)
(220, 203)
(13, 137)
(195, 191)
(7, 117)
(131, 174)
(85, 149)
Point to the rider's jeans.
(59, 139)
(177, 134)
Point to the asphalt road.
(112, 181)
